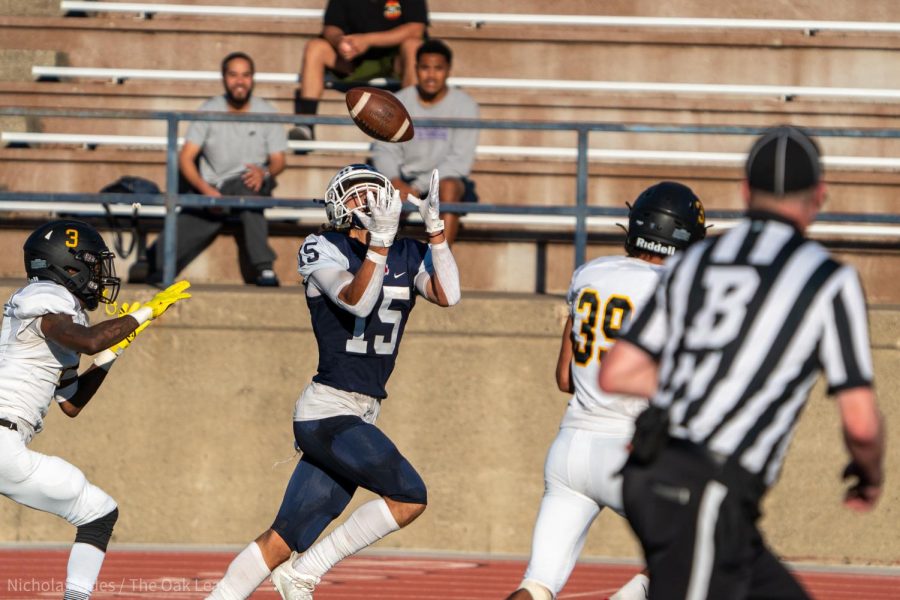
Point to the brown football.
(379, 114)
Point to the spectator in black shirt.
(360, 40)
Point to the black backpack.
(129, 185)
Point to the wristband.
(105, 359)
(378, 259)
(142, 315)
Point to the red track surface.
(157, 575)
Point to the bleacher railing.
(476, 19)
(580, 210)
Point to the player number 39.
(615, 310)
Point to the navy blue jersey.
(357, 354)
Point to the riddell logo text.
(654, 247)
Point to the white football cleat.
(291, 584)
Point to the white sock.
(244, 574)
(636, 589)
(84, 567)
(368, 524)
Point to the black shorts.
(698, 530)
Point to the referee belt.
(8, 425)
(725, 469)
(690, 447)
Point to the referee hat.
(784, 159)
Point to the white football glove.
(430, 207)
(383, 219)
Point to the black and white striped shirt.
(741, 326)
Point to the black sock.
(305, 106)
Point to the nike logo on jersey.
(399, 275)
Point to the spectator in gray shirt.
(451, 151)
(229, 159)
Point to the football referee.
(728, 350)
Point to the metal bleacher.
(577, 214)
(808, 27)
(119, 75)
(91, 141)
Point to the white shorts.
(48, 483)
(580, 478)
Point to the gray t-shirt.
(226, 148)
(451, 151)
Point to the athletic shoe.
(267, 278)
(302, 133)
(291, 584)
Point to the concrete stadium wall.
(192, 432)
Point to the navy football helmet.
(665, 218)
(352, 182)
(72, 254)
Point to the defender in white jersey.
(45, 330)
(581, 474)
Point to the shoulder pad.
(320, 252)
(41, 298)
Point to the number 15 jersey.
(603, 297)
(357, 354)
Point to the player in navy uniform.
(361, 284)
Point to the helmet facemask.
(96, 283)
(103, 287)
(347, 193)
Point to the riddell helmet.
(665, 218)
(72, 254)
(353, 181)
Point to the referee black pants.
(697, 526)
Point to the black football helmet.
(665, 218)
(72, 254)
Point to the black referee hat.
(784, 159)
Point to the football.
(379, 114)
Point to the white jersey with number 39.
(603, 297)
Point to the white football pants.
(580, 478)
(48, 483)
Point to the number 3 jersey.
(357, 354)
(31, 366)
(603, 298)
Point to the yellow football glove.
(166, 298)
(105, 359)
(127, 309)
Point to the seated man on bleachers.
(360, 40)
(450, 151)
(228, 159)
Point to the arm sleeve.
(331, 281)
(325, 270)
(463, 142)
(844, 350)
(439, 263)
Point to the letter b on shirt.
(727, 293)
